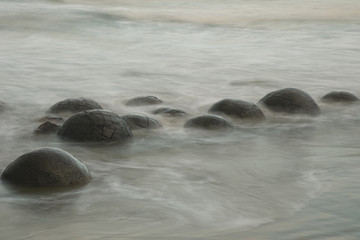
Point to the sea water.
(286, 178)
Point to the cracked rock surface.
(136, 121)
(46, 167)
(291, 101)
(95, 125)
(74, 105)
(237, 108)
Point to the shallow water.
(287, 178)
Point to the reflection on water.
(286, 178)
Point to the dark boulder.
(291, 101)
(238, 108)
(140, 101)
(209, 122)
(46, 128)
(46, 167)
(171, 112)
(340, 97)
(74, 105)
(135, 121)
(95, 125)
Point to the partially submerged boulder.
(290, 101)
(170, 112)
(95, 125)
(238, 108)
(209, 122)
(340, 97)
(140, 101)
(74, 105)
(46, 167)
(47, 127)
(135, 121)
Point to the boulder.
(95, 125)
(340, 97)
(47, 127)
(140, 101)
(74, 105)
(209, 122)
(170, 112)
(135, 121)
(46, 167)
(238, 108)
(290, 101)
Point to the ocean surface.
(288, 178)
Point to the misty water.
(290, 177)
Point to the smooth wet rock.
(290, 101)
(47, 128)
(46, 167)
(95, 126)
(141, 101)
(238, 108)
(209, 122)
(340, 97)
(74, 105)
(171, 112)
(135, 121)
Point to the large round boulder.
(209, 122)
(169, 112)
(290, 101)
(340, 97)
(140, 101)
(135, 121)
(74, 105)
(238, 108)
(95, 125)
(46, 167)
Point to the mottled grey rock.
(95, 125)
(340, 97)
(139, 101)
(74, 105)
(291, 101)
(237, 108)
(46, 167)
(46, 128)
(209, 122)
(135, 121)
(171, 112)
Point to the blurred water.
(288, 178)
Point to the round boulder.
(140, 101)
(209, 122)
(74, 105)
(238, 108)
(46, 128)
(95, 125)
(340, 97)
(135, 121)
(171, 112)
(291, 101)
(46, 167)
